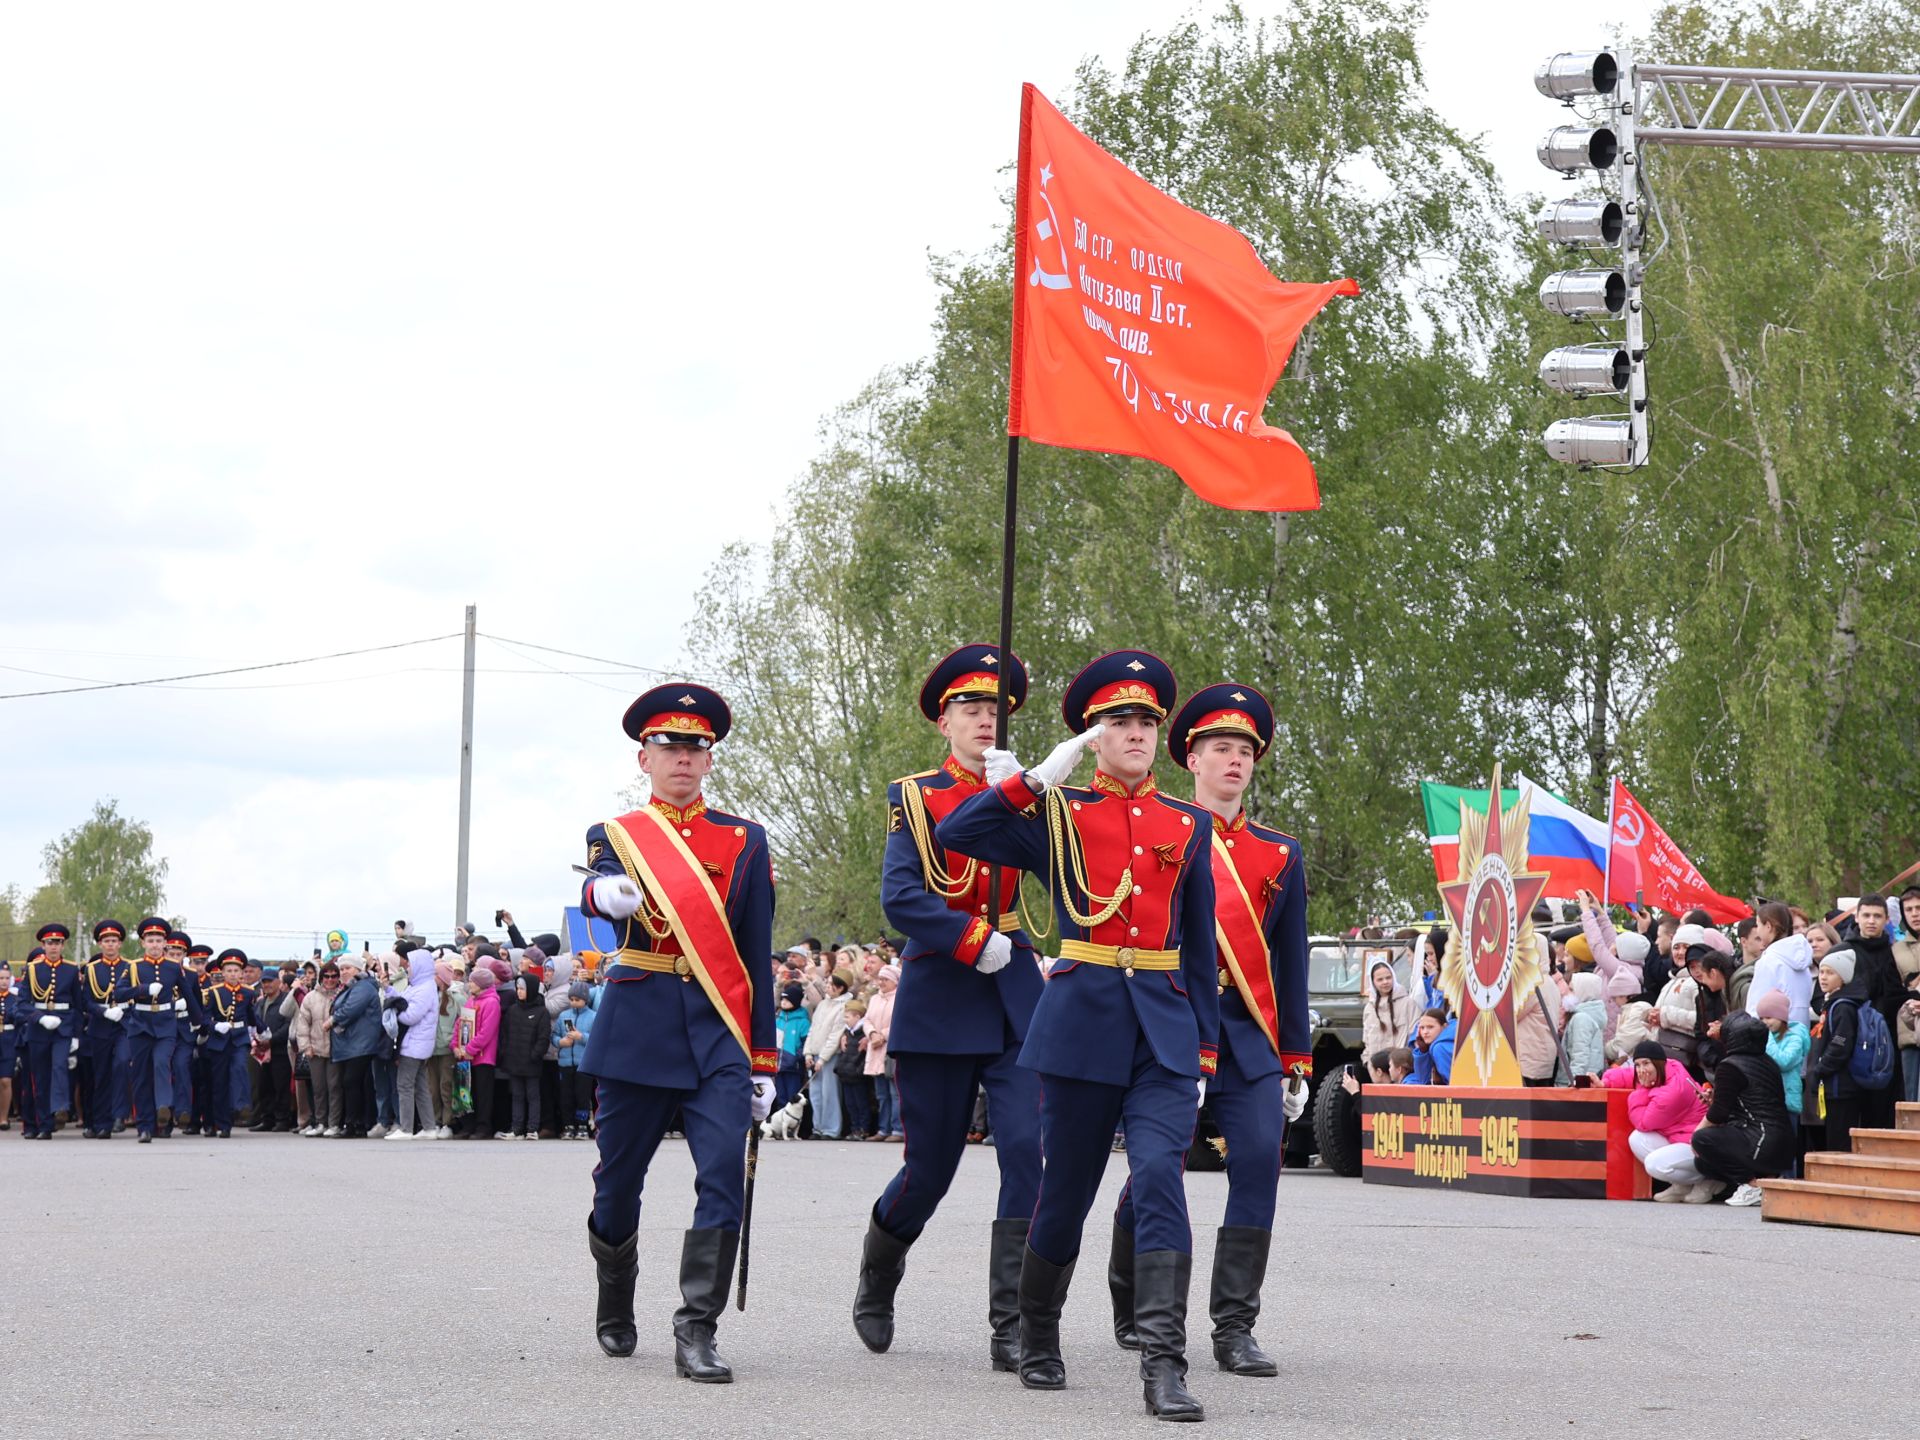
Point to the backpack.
(1872, 1061)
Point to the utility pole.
(466, 774)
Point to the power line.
(208, 674)
(597, 659)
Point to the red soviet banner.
(1141, 327)
(1644, 866)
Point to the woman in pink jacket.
(1662, 1101)
(879, 1068)
(483, 1050)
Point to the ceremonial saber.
(746, 1214)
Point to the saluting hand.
(1057, 768)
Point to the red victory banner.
(1645, 866)
(1141, 327)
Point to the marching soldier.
(230, 1017)
(1128, 1025)
(179, 946)
(686, 1019)
(968, 985)
(105, 1044)
(190, 1044)
(1260, 930)
(13, 1034)
(154, 985)
(53, 999)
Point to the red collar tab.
(953, 767)
(679, 816)
(1228, 827)
(1107, 785)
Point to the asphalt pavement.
(271, 1285)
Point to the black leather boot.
(706, 1274)
(1043, 1295)
(615, 1267)
(1239, 1270)
(1003, 1292)
(1120, 1285)
(883, 1262)
(1160, 1279)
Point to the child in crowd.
(1787, 1045)
(1587, 1026)
(1630, 1025)
(790, 1023)
(1432, 1049)
(856, 1094)
(570, 1030)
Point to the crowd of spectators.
(1741, 1050)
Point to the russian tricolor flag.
(1569, 846)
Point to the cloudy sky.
(318, 324)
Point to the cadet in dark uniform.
(229, 1016)
(191, 1019)
(179, 947)
(1128, 1025)
(686, 1019)
(154, 985)
(54, 996)
(1260, 930)
(968, 985)
(13, 1038)
(106, 1046)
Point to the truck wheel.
(1336, 1127)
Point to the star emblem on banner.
(1491, 961)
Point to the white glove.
(1203, 1094)
(1293, 1101)
(114, 1012)
(154, 989)
(180, 1006)
(73, 1056)
(615, 896)
(1057, 767)
(221, 1027)
(762, 1096)
(49, 1022)
(994, 954)
(1000, 765)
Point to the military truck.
(1336, 976)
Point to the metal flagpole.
(466, 775)
(1000, 711)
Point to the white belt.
(53, 1007)
(167, 1008)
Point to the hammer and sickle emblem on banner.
(1049, 229)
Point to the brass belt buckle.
(1125, 956)
(683, 968)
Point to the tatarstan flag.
(1141, 327)
(1569, 846)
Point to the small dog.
(784, 1123)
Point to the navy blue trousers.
(108, 1099)
(1253, 1124)
(153, 1077)
(182, 1077)
(1078, 1118)
(936, 1109)
(201, 1074)
(222, 1085)
(715, 1116)
(47, 1063)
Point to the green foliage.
(102, 868)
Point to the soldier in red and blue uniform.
(105, 1045)
(229, 1017)
(685, 1021)
(1260, 909)
(1127, 1028)
(54, 995)
(154, 986)
(968, 986)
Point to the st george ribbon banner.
(1645, 866)
(1141, 327)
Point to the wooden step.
(1876, 1172)
(1900, 1143)
(1906, 1115)
(1856, 1207)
